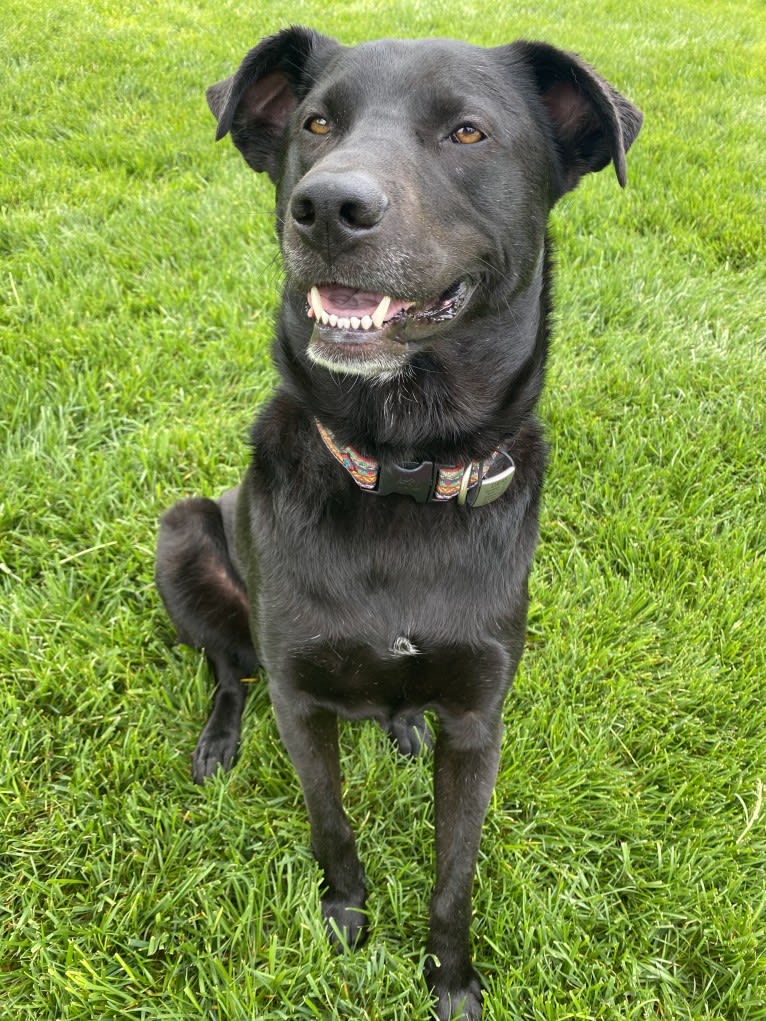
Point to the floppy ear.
(592, 123)
(256, 103)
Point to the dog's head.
(414, 179)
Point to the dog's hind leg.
(408, 730)
(409, 733)
(206, 600)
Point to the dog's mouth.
(365, 332)
(348, 309)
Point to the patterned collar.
(426, 481)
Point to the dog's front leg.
(311, 738)
(465, 768)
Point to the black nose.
(337, 208)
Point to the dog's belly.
(359, 681)
(362, 681)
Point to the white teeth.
(347, 323)
(380, 312)
(316, 303)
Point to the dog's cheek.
(294, 164)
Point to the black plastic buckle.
(410, 479)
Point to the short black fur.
(362, 606)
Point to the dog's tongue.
(345, 301)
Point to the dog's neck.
(475, 483)
(456, 403)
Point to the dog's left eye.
(467, 134)
(317, 125)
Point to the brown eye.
(467, 134)
(317, 125)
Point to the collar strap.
(426, 481)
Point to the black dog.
(376, 555)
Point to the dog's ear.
(256, 103)
(592, 123)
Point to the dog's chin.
(371, 357)
(363, 333)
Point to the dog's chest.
(386, 579)
(390, 609)
(376, 604)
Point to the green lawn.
(623, 866)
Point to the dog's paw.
(410, 734)
(346, 925)
(216, 747)
(460, 1001)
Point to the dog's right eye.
(467, 134)
(317, 125)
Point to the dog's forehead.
(436, 68)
